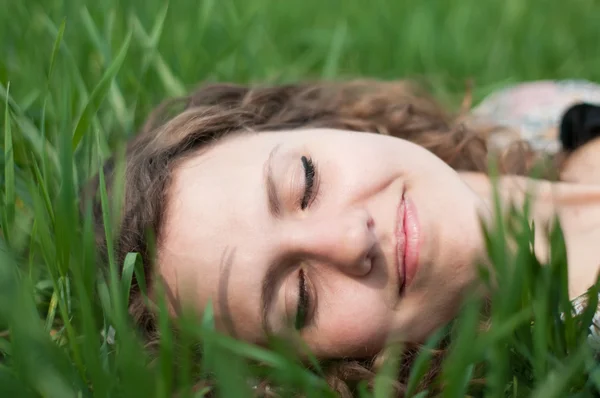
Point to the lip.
(407, 242)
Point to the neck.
(577, 207)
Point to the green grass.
(76, 80)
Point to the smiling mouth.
(407, 242)
(401, 245)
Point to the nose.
(345, 241)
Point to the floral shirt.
(533, 110)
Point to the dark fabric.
(579, 125)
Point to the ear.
(579, 125)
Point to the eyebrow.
(272, 197)
(267, 297)
(272, 275)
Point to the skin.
(583, 166)
(577, 206)
(222, 239)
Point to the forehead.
(216, 185)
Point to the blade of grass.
(541, 330)
(9, 174)
(132, 262)
(28, 130)
(173, 86)
(504, 331)
(132, 358)
(386, 377)
(41, 183)
(114, 95)
(27, 102)
(55, 48)
(166, 355)
(11, 386)
(229, 366)
(75, 73)
(51, 311)
(457, 368)
(336, 49)
(40, 363)
(98, 94)
(5, 346)
(423, 361)
(300, 375)
(203, 392)
(84, 278)
(566, 336)
(150, 44)
(208, 323)
(556, 384)
(591, 306)
(43, 235)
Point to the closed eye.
(303, 301)
(311, 179)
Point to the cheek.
(353, 324)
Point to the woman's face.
(351, 238)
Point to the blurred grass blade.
(505, 330)
(591, 306)
(56, 46)
(132, 262)
(458, 365)
(11, 386)
(41, 183)
(51, 311)
(98, 94)
(29, 100)
(335, 51)
(422, 394)
(74, 72)
(556, 384)
(167, 355)
(41, 364)
(208, 323)
(203, 392)
(132, 358)
(85, 278)
(5, 346)
(9, 174)
(159, 23)
(115, 96)
(267, 357)
(40, 146)
(55, 49)
(423, 362)
(93, 34)
(386, 377)
(108, 236)
(150, 44)
(171, 84)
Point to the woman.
(348, 212)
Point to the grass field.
(76, 80)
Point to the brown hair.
(399, 109)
